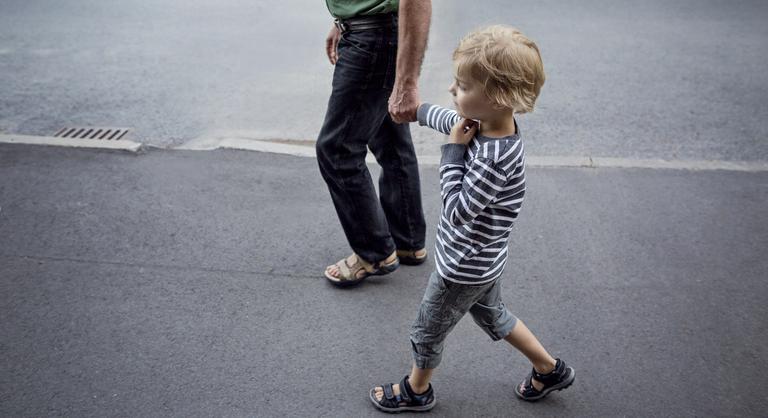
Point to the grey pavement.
(681, 79)
(180, 283)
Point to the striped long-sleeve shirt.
(482, 188)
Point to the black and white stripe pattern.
(482, 187)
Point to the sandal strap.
(373, 267)
(405, 390)
(552, 377)
(390, 400)
(383, 262)
(528, 389)
(349, 271)
(410, 253)
(368, 267)
(389, 392)
(344, 270)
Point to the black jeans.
(356, 119)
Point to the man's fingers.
(331, 45)
(395, 116)
(402, 116)
(403, 106)
(335, 50)
(331, 50)
(393, 112)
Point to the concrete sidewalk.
(182, 283)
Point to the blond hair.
(505, 62)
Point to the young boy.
(498, 72)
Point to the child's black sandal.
(407, 400)
(558, 379)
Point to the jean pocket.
(357, 43)
(436, 291)
(353, 62)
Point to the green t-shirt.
(344, 9)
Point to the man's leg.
(399, 185)
(355, 111)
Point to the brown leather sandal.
(349, 270)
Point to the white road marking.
(531, 160)
(122, 144)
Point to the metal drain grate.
(112, 134)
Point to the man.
(375, 95)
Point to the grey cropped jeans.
(444, 304)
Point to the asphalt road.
(178, 283)
(654, 79)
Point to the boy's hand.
(463, 132)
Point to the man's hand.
(403, 103)
(332, 43)
(463, 132)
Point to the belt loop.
(340, 25)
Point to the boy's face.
(470, 99)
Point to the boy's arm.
(466, 192)
(437, 117)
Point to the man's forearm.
(413, 21)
